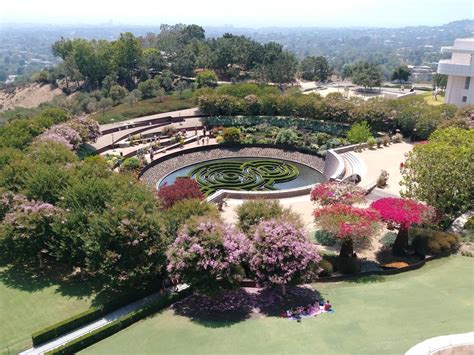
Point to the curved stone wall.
(161, 167)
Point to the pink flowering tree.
(348, 223)
(64, 134)
(330, 193)
(88, 128)
(26, 232)
(208, 255)
(282, 254)
(403, 213)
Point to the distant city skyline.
(242, 13)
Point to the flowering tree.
(64, 134)
(208, 255)
(26, 231)
(404, 213)
(282, 254)
(348, 223)
(88, 128)
(182, 189)
(332, 192)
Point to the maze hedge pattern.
(253, 175)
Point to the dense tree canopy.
(440, 172)
(315, 68)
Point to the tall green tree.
(402, 73)
(440, 172)
(367, 75)
(315, 68)
(128, 58)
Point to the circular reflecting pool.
(249, 174)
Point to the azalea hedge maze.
(250, 175)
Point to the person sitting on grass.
(327, 306)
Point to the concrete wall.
(455, 91)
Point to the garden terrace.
(161, 167)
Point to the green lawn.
(28, 304)
(379, 316)
(124, 111)
(429, 98)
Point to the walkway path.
(386, 158)
(109, 318)
(107, 139)
(446, 344)
(91, 326)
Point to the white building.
(460, 71)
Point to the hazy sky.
(250, 13)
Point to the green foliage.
(427, 241)
(348, 265)
(366, 74)
(401, 73)
(206, 78)
(251, 213)
(231, 135)
(131, 164)
(314, 68)
(326, 268)
(440, 171)
(287, 137)
(359, 132)
(324, 238)
(178, 214)
(371, 142)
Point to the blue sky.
(248, 13)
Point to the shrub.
(371, 142)
(286, 137)
(182, 189)
(326, 268)
(324, 238)
(427, 241)
(385, 140)
(397, 138)
(251, 213)
(359, 132)
(231, 135)
(130, 164)
(348, 265)
(181, 211)
(469, 224)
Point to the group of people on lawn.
(309, 310)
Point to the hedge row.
(97, 335)
(78, 320)
(333, 128)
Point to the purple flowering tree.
(282, 254)
(88, 128)
(208, 255)
(26, 232)
(64, 134)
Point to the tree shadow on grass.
(24, 278)
(272, 303)
(367, 279)
(221, 311)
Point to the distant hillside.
(29, 96)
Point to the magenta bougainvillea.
(330, 193)
(403, 212)
(348, 223)
(345, 221)
(209, 255)
(282, 254)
